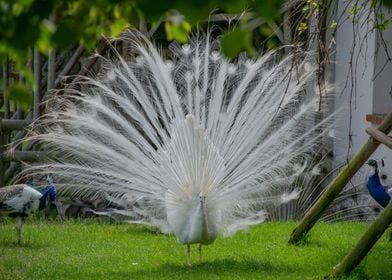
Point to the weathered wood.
(18, 110)
(27, 156)
(379, 136)
(336, 186)
(2, 164)
(5, 87)
(102, 47)
(12, 124)
(3, 136)
(37, 79)
(59, 61)
(10, 172)
(51, 69)
(368, 239)
(67, 68)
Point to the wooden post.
(3, 135)
(2, 165)
(101, 48)
(51, 69)
(27, 156)
(18, 110)
(360, 250)
(5, 87)
(11, 124)
(379, 136)
(67, 68)
(37, 79)
(336, 186)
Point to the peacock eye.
(384, 177)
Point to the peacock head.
(202, 198)
(51, 191)
(373, 166)
(48, 193)
(376, 166)
(372, 163)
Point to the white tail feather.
(155, 135)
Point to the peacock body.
(194, 145)
(22, 200)
(376, 189)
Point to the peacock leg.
(19, 224)
(60, 210)
(188, 254)
(200, 258)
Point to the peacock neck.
(43, 199)
(374, 179)
(205, 224)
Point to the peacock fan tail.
(195, 145)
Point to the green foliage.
(177, 28)
(302, 27)
(235, 41)
(271, 40)
(268, 9)
(381, 23)
(20, 94)
(91, 250)
(387, 3)
(25, 23)
(311, 8)
(333, 25)
(354, 10)
(62, 23)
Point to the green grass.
(92, 250)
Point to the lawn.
(92, 250)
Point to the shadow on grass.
(311, 243)
(227, 268)
(24, 245)
(137, 228)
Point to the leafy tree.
(62, 23)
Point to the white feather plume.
(153, 134)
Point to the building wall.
(382, 85)
(358, 91)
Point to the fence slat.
(37, 79)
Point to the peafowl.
(190, 143)
(22, 200)
(376, 189)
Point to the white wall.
(382, 85)
(357, 90)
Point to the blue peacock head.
(372, 163)
(51, 190)
(376, 165)
(373, 166)
(49, 193)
